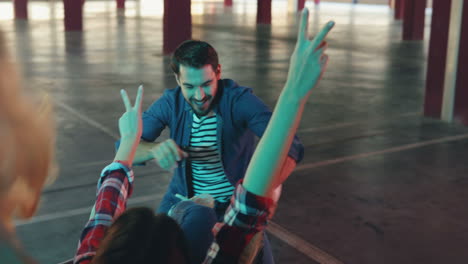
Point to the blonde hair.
(26, 133)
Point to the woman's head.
(140, 236)
(27, 138)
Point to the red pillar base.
(399, 9)
(437, 58)
(263, 11)
(120, 3)
(413, 19)
(227, 2)
(460, 112)
(73, 15)
(300, 5)
(317, 2)
(177, 24)
(21, 9)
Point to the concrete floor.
(379, 182)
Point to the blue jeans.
(197, 221)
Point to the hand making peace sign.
(130, 124)
(308, 62)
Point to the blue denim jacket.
(241, 116)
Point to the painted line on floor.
(115, 136)
(355, 123)
(88, 120)
(101, 163)
(293, 240)
(79, 211)
(63, 188)
(284, 235)
(384, 151)
(301, 245)
(112, 134)
(70, 261)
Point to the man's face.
(199, 86)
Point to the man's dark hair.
(195, 54)
(139, 236)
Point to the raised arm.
(144, 152)
(307, 65)
(114, 184)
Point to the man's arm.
(256, 115)
(154, 120)
(143, 152)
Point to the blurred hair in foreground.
(28, 140)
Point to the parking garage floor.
(379, 183)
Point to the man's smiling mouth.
(200, 103)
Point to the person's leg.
(167, 202)
(196, 221)
(220, 209)
(265, 254)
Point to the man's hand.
(167, 154)
(130, 127)
(204, 199)
(309, 61)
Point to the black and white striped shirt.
(207, 169)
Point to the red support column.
(461, 95)
(121, 4)
(413, 19)
(399, 9)
(317, 2)
(73, 15)
(21, 9)
(263, 11)
(300, 5)
(437, 58)
(227, 2)
(177, 24)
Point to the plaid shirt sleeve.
(114, 188)
(247, 215)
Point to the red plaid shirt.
(114, 188)
(246, 216)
